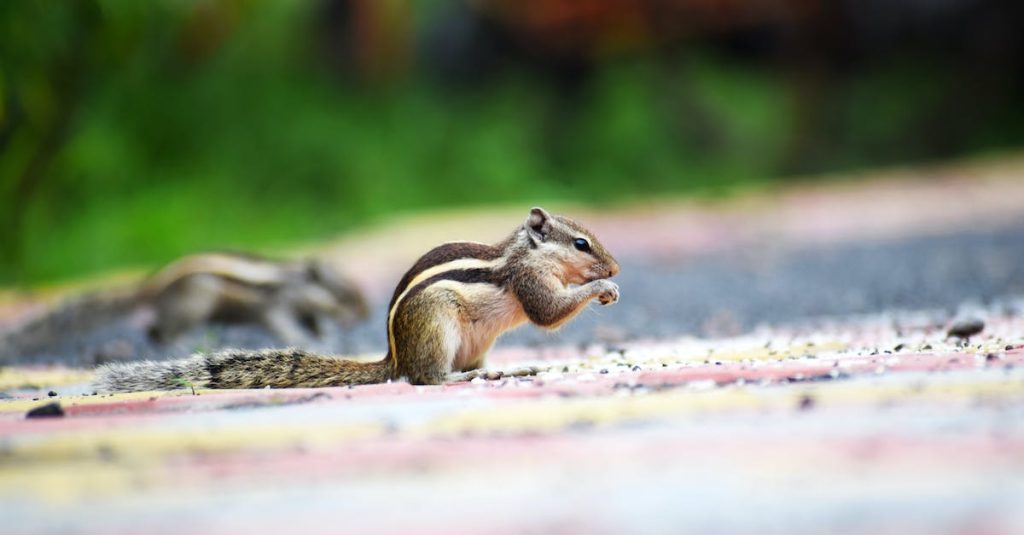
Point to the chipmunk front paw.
(608, 291)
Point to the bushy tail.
(276, 368)
(74, 317)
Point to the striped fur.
(248, 269)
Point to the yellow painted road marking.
(34, 378)
(72, 464)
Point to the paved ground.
(774, 432)
(758, 375)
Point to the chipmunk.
(291, 299)
(444, 315)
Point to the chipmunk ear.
(539, 223)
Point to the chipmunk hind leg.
(288, 325)
(430, 337)
(185, 304)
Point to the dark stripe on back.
(185, 266)
(443, 254)
(469, 276)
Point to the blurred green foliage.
(129, 137)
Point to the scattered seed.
(50, 410)
(966, 328)
(51, 393)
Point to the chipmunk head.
(572, 250)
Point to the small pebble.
(966, 328)
(51, 393)
(806, 402)
(50, 410)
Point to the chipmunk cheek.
(594, 273)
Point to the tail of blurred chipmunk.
(69, 319)
(274, 368)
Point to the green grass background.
(256, 146)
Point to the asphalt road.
(717, 294)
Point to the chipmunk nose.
(613, 270)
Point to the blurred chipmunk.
(292, 299)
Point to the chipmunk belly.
(488, 311)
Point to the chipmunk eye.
(581, 245)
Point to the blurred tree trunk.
(39, 135)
